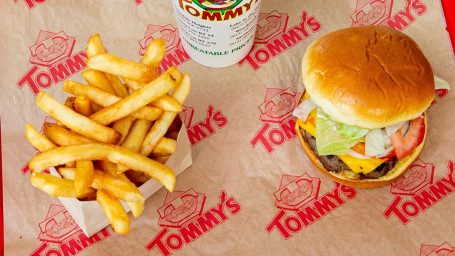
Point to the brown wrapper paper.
(251, 189)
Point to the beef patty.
(333, 163)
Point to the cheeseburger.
(361, 119)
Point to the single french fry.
(161, 125)
(123, 126)
(167, 103)
(97, 79)
(85, 173)
(122, 67)
(139, 98)
(75, 121)
(69, 102)
(119, 87)
(37, 140)
(56, 186)
(83, 105)
(135, 137)
(100, 151)
(114, 211)
(154, 53)
(164, 147)
(62, 136)
(95, 46)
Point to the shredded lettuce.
(330, 141)
(352, 132)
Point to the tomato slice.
(404, 146)
(359, 148)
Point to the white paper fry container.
(89, 215)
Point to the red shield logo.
(169, 33)
(418, 176)
(51, 48)
(58, 225)
(278, 104)
(180, 207)
(270, 25)
(187, 115)
(296, 191)
(444, 249)
(371, 12)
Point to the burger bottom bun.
(351, 179)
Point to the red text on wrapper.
(52, 60)
(61, 236)
(379, 12)
(272, 39)
(175, 54)
(276, 113)
(444, 249)
(184, 213)
(32, 3)
(300, 205)
(215, 119)
(416, 192)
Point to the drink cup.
(217, 33)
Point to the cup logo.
(217, 5)
(278, 104)
(418, 176)
(180, 207)
(269, 26)
(50, 48)
(169, 33)
(371, 12)
(58, 225)
(296, 191)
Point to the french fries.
(114, 211)
(122, 67)
(75, 121)
(37, 140)
(111, 137)
(161, 126)
(55, 186)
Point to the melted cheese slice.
(357, 165)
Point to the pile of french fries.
(114, 134)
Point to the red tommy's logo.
(445, 249)
(183, 219)
(276, 113)
(52, 61)
(180, 207)
(300, 206)
(60, 235)
(269, 26)
(175, 54)
(415, 191)
(213, 121)
(380, 12)
(274, 38)
(296, 191)
(32, 3)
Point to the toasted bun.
(370, 77)
(349, 178)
